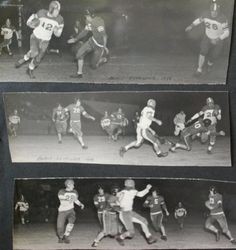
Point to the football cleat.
(217, 236)
(233, 241)
(30, 73)
(84, 147)
(60, 240)
(76, 76)
(151, 240)
(209, 151)
(66, 239)
(162, 154)
(172, 149)
(164, 237)
(19, 63)
(120, 241)
(122, 151)
(197, 74)
(94, 244)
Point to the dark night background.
(9, 171)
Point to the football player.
(179, 122)
(76, 110)
(100, 200)
(60, 117)
(44, 23)
(96, 43)
(216, 31)
(136, 120)
(106, 124)
(110, 220)
(7, 31)
(66, 214)
(157, 205)
(23, 207)
(212, 112)
(128, 217)
(14, 123)
(215, 205)
(144, 132)
(180, 214)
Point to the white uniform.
(145, 121)
(14, 119)
(67, 201)
(7, 32)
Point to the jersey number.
(47, 26)
(211, 26)
(101, 199)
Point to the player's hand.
(189, 28)
(82, 206)
(71, 40)
(159, 122)
(149, 186)
(167, 213)
(93, 118)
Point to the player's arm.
(88, 116)
(16, 206)
(158, 122)
(54, 115)
(147, 203)
(59, 28)
(61, 196)
(195, 23)
(196, 116)
(80, 36)
(144, 191)
(163, 206)
(79, 203)
(30, 20)
(226, 32)
(95, 201)
(217, 113)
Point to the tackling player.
(212, 112)
(76, 110)
(157, 204)
(44, 23)
(67, 197)
(60, 117)
(180, 214)
(216, 31)
(7, 32)
(100, 200)
(215, 205)
(144, 131)
(128, 217)
(14, 123)
(96, 44)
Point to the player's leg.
(204, 48)
(98, 57)
(8, 47)
(185, 145)
(216, 51)
(34, 50)
(136, 144)
(81, 53)
(58, 129)
(137, 218)
(70, 225)
(209, 225)
(161, 226)
(3, 44)
(100, 217)
(22, 217)
(225, 229)
(148, 135)
(61, 220)
(212, 141)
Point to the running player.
(212, 112)
(216, 31)
(128, 217)
(7, 32)
(157, 204)
(76, 110)
(144, 131)
(96, 44)
(23, 207)
(180, 214)
(67, 197)
(14, 123)
(100, 200)
(44, 23)
(60, 117)
(215, 205)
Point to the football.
(34, 23)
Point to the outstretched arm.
(195, 23)
(145, 191)
(85, 114)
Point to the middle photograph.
(124, 128)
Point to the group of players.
(117, 217)
(93, 38)
(201, 126)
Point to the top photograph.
(115, 41)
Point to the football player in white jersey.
(212, 112)
(216, 31)
(67, 197)
(144, 131)
(128, 217)
(44, 23)
(14, 123)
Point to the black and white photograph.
(116, 41)
(165, 128)
(108, 213)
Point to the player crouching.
(44, 23)
(144, 131)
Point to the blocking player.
(14, 123)
(128, 217)
(96, 43)
(60, 117)
(23, 207)
(7, 31)
(180, 214)
(44, 23)
(179, 122)
(144, 131)
(217, 216)
(157, 205)
(216, 31)
(212, 112)
(76, 110)
(110, 220)
(66, 214)
(100, 200)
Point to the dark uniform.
(100, 202)
(60, 117)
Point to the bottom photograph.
(111, 213)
